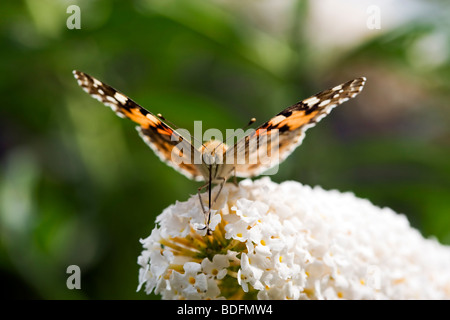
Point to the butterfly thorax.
(213, 153)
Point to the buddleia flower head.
(290, 241)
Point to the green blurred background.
(77, 184)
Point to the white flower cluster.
(290, 241)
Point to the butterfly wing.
(165, 141)
(285, 132)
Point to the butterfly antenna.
(160, 116)
(252, 121)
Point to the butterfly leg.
(206, 213)
(200, 197)
(220, 189)
(211, 204)
(235, 178)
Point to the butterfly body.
(214, 161)
(212, 154)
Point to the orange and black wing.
(273, 141)
(168, 145)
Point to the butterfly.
(214, 162)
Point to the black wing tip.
(361, 81)
(357, 84)
(78, 74)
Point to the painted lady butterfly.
(280, 135)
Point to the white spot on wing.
(111, 99)
(311, 101)
(324, 103)
(277, 120)
(96, 83)
(121, 98)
